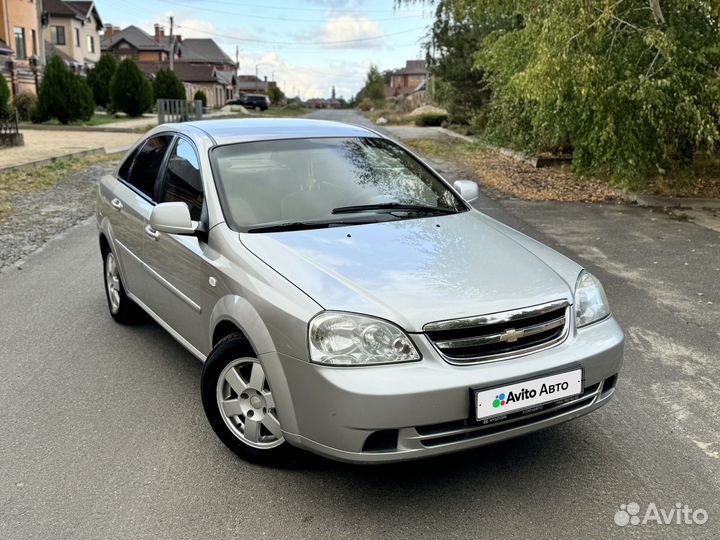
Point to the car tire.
(121, 308)
(240, 407)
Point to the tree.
(63, 95)
(200, 96)
(4, 94)
(332, 94)
(166, 85)
(374, 89)
(276, 95)
(130, 92)
(631, 87)
(99, 79)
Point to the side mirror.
(468, 189)
(172, 218)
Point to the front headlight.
(590, 301)
(345, 339)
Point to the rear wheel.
(122, 309)
(240, 406)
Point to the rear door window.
(147, 163)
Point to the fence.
(178, 110)
(9, 133)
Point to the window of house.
(20, 50)
(33, 36)
(77, 37)
(91, 44)
(182, 181)
(57, 35)
(146, 166)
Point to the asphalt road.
(102, 433)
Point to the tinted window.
(124, 171)
(182, 182)
(146, 166)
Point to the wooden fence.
(178, 110)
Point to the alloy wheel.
(112, 282)
(247, 405)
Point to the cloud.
(347, 28)
(308, 81)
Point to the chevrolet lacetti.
(344, 298)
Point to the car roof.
(239, 130)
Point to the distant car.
(344, 297)
(252, 101)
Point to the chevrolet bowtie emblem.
(511, 335)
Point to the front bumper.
(424, 407)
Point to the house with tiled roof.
(73, 32)
(133, 42)
(408, 80)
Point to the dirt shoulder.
(507, 176)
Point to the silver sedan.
(344, 298)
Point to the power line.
(299, 8)
(269, 18)
(330, 42)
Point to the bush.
(200, 96)
(430, 119)
(63, 95)
(130, 92)
(166, 85)
(366, 104)
(294, 105)
(276, 95)
(99, 79)
(24, 105)
(4, 94)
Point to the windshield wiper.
(393, 206)
(306, 225)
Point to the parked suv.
(344, 297)
(252, 101)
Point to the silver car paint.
(271, 285)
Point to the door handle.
(152, 233)
(116, 204)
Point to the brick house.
(412, 78)
(133, 42)
(19, 44)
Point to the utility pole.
(172, 44)
(257, 79)
(237, 60)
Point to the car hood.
(417, 271)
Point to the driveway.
(103, 433)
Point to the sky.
(308, 46)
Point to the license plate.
(527, 394)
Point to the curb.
(100, 129)
(49, 161)
(673, 202)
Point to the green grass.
(41, 178)
(96, 120)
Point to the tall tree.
(99, 79)
(374, 88)
(4, 94)
(332, 94)
(166, 85)
(63, 94)
(130, 92)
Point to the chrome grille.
(500, 335)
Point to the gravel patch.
(38, 217)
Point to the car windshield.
(325, 181)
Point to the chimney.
(158, 32)
(109, 30)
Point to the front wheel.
(240, 406)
